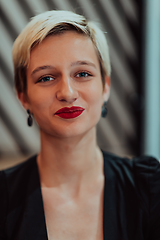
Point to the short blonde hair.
(55, 22)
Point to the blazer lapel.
(34, 219)
(33, 226)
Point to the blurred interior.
(132, 126)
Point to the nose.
(66, 90)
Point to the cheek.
(94, 99)
(95, 94)
(39, 100)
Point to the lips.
(71, 112)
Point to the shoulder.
(19, 167)
(144, 170)
(13, 186)
(147, 171)
(140, 177)
(14, 180)
(146, 166)
(118, 168)
(17, 177)
(147, 179)
(13, 177)
(141, 174)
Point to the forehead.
(65, 47)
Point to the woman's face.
(64, 72)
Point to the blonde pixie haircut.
(51, 23)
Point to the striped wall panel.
(120, 21)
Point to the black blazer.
(131, 200)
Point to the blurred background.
(132, 28)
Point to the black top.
(131, 200)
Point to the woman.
(71, 189)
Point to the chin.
(67, 130)
(60, 128)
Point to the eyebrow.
(42, 68)
(83, 63)
(72, 64)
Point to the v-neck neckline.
(104, 198)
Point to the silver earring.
(104, 110)
(29, 119)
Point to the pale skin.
(64, 71)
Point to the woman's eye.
(46, 79)
(83, 74)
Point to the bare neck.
(69, 160)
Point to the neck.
(68, 159)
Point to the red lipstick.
(71, 112)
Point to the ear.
(23, 99)
(106, 89)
